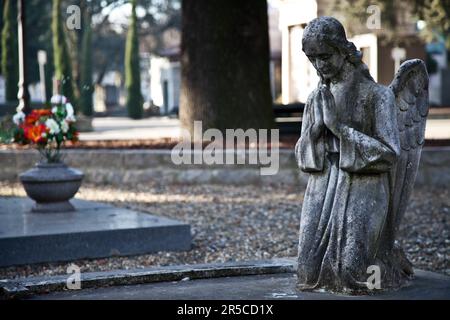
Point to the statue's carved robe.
(346, 201)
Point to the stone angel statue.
(361, 144)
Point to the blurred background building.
(387, 32)
(381, 56)
(293, 76)
(165, 67)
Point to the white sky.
(121, 14)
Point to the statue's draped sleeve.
(361, 153)
(310, 150)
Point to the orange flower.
(42, 112)
(31, 119)
(36, 114)
(34, 133)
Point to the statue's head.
(326, 46)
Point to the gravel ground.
(232, 223)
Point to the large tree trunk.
(225, 65)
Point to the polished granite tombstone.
(95, 230)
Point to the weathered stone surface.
(51, 185)
(36, 285)
(271, 279)
(361, 143)
(426, 286)
(103, 166)
(95, 230)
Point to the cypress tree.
(1, 28)
(86, 88)
(132, 69)
(10, 63)
(63, 68)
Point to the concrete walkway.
(121, 128)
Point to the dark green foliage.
(6, 129)
(62, 64)
(86, 86)
(10, 65)
(1, 28)
(132, 70)
(436, 14)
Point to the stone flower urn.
(51, 186)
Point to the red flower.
(34, 133)
(35, 115)
(31, 119)
(42, 112)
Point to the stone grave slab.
(95, 230)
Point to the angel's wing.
(410, 87)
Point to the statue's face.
(327, 60)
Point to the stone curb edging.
(21, 288)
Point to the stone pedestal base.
(45, 207)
